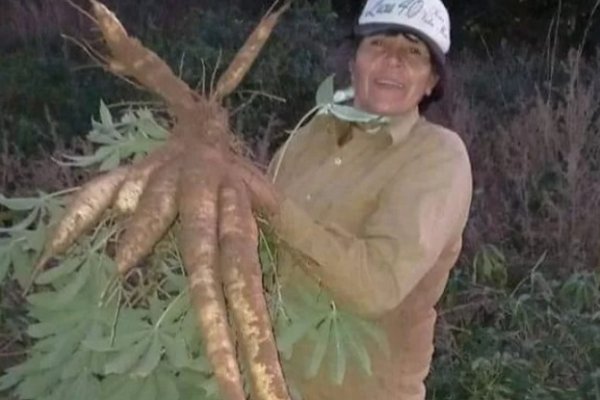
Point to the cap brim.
(365, 30)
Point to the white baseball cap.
(426, 19)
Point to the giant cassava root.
(198, 177)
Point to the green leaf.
(156, 307)
(5, 262)
(65, 268)
(100, 138)
(84, 387)
(85, 161)
(357, 350)
(35, 385)
(20, 203)
(175, 350)
(149, 391)
(167, 388)
(105, 116)
(322, 340)
(36, 238)
(153, 130)
(22, 265)
(150, 360)
(77, 363)
(190, 383)
(121, 341)
(111, 162)
(25, 222)
(66, 345)
(290, 334)
(348, 113)
(70, 290)
(122, 389)
(325, 91)
(10, 378)
(123, 361)
(339, 361)
(369, 329)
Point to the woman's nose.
(395, 58)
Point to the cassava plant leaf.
(5, 261)
(325, 91)
(149, 390)
(338, 362)
(111, 162)
(20, 203)
(290, 333)
(175, 350)
(24, 223)
(167, 387)
(105, 115)
(123, 361)
(66, 267)
(321, 338)
(149, 361)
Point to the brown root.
(242, 277)
(85, 210)
(245, 57)
(156, 213)
(132, 59)
(130, 192)
(198, 239)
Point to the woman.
(378, 209)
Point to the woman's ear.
(433, 81)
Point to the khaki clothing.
(381, 216)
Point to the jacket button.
(337, 161)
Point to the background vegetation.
(520, 318)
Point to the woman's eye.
(376, 42)
(415, 51)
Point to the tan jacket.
(381, 216)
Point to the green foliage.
(536, 340)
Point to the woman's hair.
(346, 51)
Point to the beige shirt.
(381, 218)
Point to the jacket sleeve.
(417, 216)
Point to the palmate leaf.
(149, 361)
(5, 261)
(105, 115)
(289, 332)
(337, 336)
(22, 263)
(193, 384)
(25, 223)
(66, 345)
(325, 91)
(120, 387)
(111, 161)
(123, 362)
(161, 384)
(55, 299)
(321, 338)
(176, 351)
(35, 385)
(21, 203)
(338, 361)
(356, 348)
(66, 267)
(167, 387)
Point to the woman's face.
(391, 74)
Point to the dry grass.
(536, 164)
